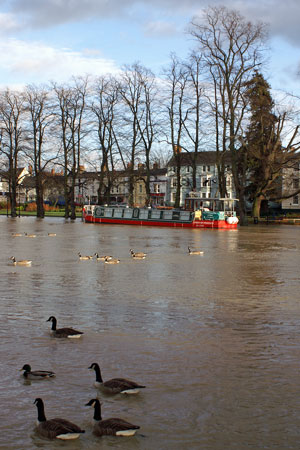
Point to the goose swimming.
(24, 262)
(84, 258)
(63, 332)
(110, 427)
(195, 252)
(115, 385)
(55, 428)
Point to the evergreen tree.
(265, 154)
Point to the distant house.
(291, 186)
(22, 173)
(206, 176)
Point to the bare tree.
(176, 77)
(103, 106)
(232, 49)
(131, 92)
(70, 121)
(12, 139)
(37, 107)
(192, 125)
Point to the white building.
(206, 177)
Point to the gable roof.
(209, 157)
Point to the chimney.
(81, 169)
(177, 149)
(140, 166)
(155, 165)
(129, 165)
(52, 172)
(30, 169)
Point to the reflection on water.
(214, 337)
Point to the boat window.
(176, 215)
(118, 212)
(167, 215)
(184, 215)
(135, 213)
(144, 214)
(128, 213)
(155, 214)
(108, 212)
(99, 212)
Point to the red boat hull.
(222, 224)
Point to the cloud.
(282, 16)
(24, 62)
(8, 23)
(160, 29)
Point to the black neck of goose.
(98, 374)
(53, 328)
(97, 411)
(41, 412)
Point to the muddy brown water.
(215, 338)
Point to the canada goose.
(134, 256)
(51, 234)
(17, 234)
(30, 235)
(195, 252)
(36, 374)
(55, 428)
(84, 258)
(24, 262)
(115, 385)
(137, 254)
(111, 427)
(102, 258)
(63, 332)
(110, 260)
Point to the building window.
(204, 194)
(208, 168)
(141, 188)
(188, 168)
(296, 183)
(173, 196)
(295, 200)
(204, 168)
(156, 188)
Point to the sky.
(53, 40)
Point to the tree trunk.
(256, 206)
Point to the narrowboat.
(202, 218)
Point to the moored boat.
(202, 218)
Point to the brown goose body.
(23, 262)
(137, 254)
(195, 252)
(110, 427)
(56, 428)
(115, 385)
(63, 332)
(103, 258)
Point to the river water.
(215, 338)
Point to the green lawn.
(3, 212)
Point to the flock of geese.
(108, 259)
(63, 429)
(59, 428)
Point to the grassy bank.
(3, 212)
